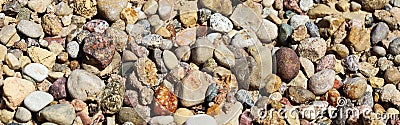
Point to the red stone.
(58, 89)
(98, 26)
(99, 50)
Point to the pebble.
(37, 100)
(6, 116)
(380, 32)
(392, 75)
(224, 6)
(23, 115)
(359, 38)
(194, 86)
(379, 51)
(306, 5)
(95, 51)
(150, 7)
(97, 25)
(220, 23)
(321, 81)
(267, 32)
(288, 64)
(128, 114)
(312, 48)
(300, 95)
(130, 16)
(376, 82)
(73, 49)
(60, 114)
(354, 88)
(51, 24)
(245, 38)
(326, 62)
(285, 31)
(42, 56)
(368, 69)
(36, 71)
(9, 34)
(181, 115)
(12, 61)
(119, 38)
(312, 29)
(371, 5)
(110, 10)
(170, 59)
(15, 90)
(244, 21)
(394, 47)
(244, 97)
(224, 56)
(201, 119)
(351, 63)
(82, 84)
(272, 84)
(62, 9)
(58, 89)
(39, 6)
(298, 20)
(300, 80)
(30, 29)
(202, 50)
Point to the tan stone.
(359, 38)
(15, 91)
(376, 82)
(42, 56)
(189, 18)
(129, 15)
(321, 10)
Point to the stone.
(129, 15)
(51, 24)
(37, 100)
(193, 89)
(79, 105)
(244, 97)
(245, 38)
(166, 101)
(201, 119)
(150, 7)
(219, 6)
(85, 8)
(288, 64)
(170, 59)
(220, 23)
(394, 47)
(181, 115)
(12, 61)
(359, 38)
(392, 75)
(15, 90)
(6, 116)
(42, 56)
(224, 56)
(272, 84)
(326, 62)
(189, 18)
(60, 114)
(58, 89)
(162, 120)
(230, 116)
(380, 32)
(152, 40)
(351, 63)
(62, 9)
(285, 31)
(73, 49)
(300, 95)
(202, 51)
(165, 9)
(112, 95)
(110, 10)
(96, 25)
(376, 82)
(368, 69)
(39, 6)
(379, 51)
(320, 11)
(321, 81)
(82, 84)
(354, 6)
(244, 16)
(354, 88)
(389, 93)
(119, 38)
(371, 5)
(312, 29)
(300, 34)
(9, 34)
(36, 71)
(308, 66)
(298, 20)
(30, 29)
(98, 49)
(186, 37)
(183, 53)
(306, 5)
(312, 48)
(292, 5)
(23, 115)
(146, 71)
(300, 80)
(267, 32)
(128, 114)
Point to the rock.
(79, 105)
(62, 9)
(166, 102)
(288, 64)
(300, 34)
(267, 32)
(285, 31)
(272, 84)
(245, 38)
(244, 97)
(368, 69)
(128, 114)
(202, 51)
(165, 9)
(112, 95)
(354, 88)
(389, 93)
(380, 32)
(42, 56)
(244, 16)
(220, 23)
(189, 18)
(170, 59)
(351, 63)
(36, 71)
(376, 82)
(39, 6)
(392, 75)
(98, 49)
(193, 89)
(292, 5)
(51, 24)
(150, 7)
(162, 120)
(230, 116)
(183, 53)
(394, 47)
(379, 51)
(110, 10)
(12, 61)
(371, 5)
(219, 6)
(321, 10)
(58, 89)
(6, 116)
(312, 48)
(119, 38)
(81, 84)
(37, 100)
(15, 90)
(201, 119)
(146, 71)
(8, 35)
(224, 56)
(30, 29)
(73, 49)
(96, 25)
(359, 38)
(326, 62)
(63, 114)
(306, 5)
(152, 40)
(300, 80)
(312, 29)
(186, 36)
(298, 20)
(181, 115)
(308, 66)
(300, 95)
(23, 114)
(354, 6)
(321, 81)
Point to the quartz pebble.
(37, 100)
(36, 71)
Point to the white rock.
(12, 61)
(267, 32)
(268, 3)
(36, 71)
(220, 23)
(37, 100)
(201, 119)
(73, 49)
(298, 20)
(306, 5)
